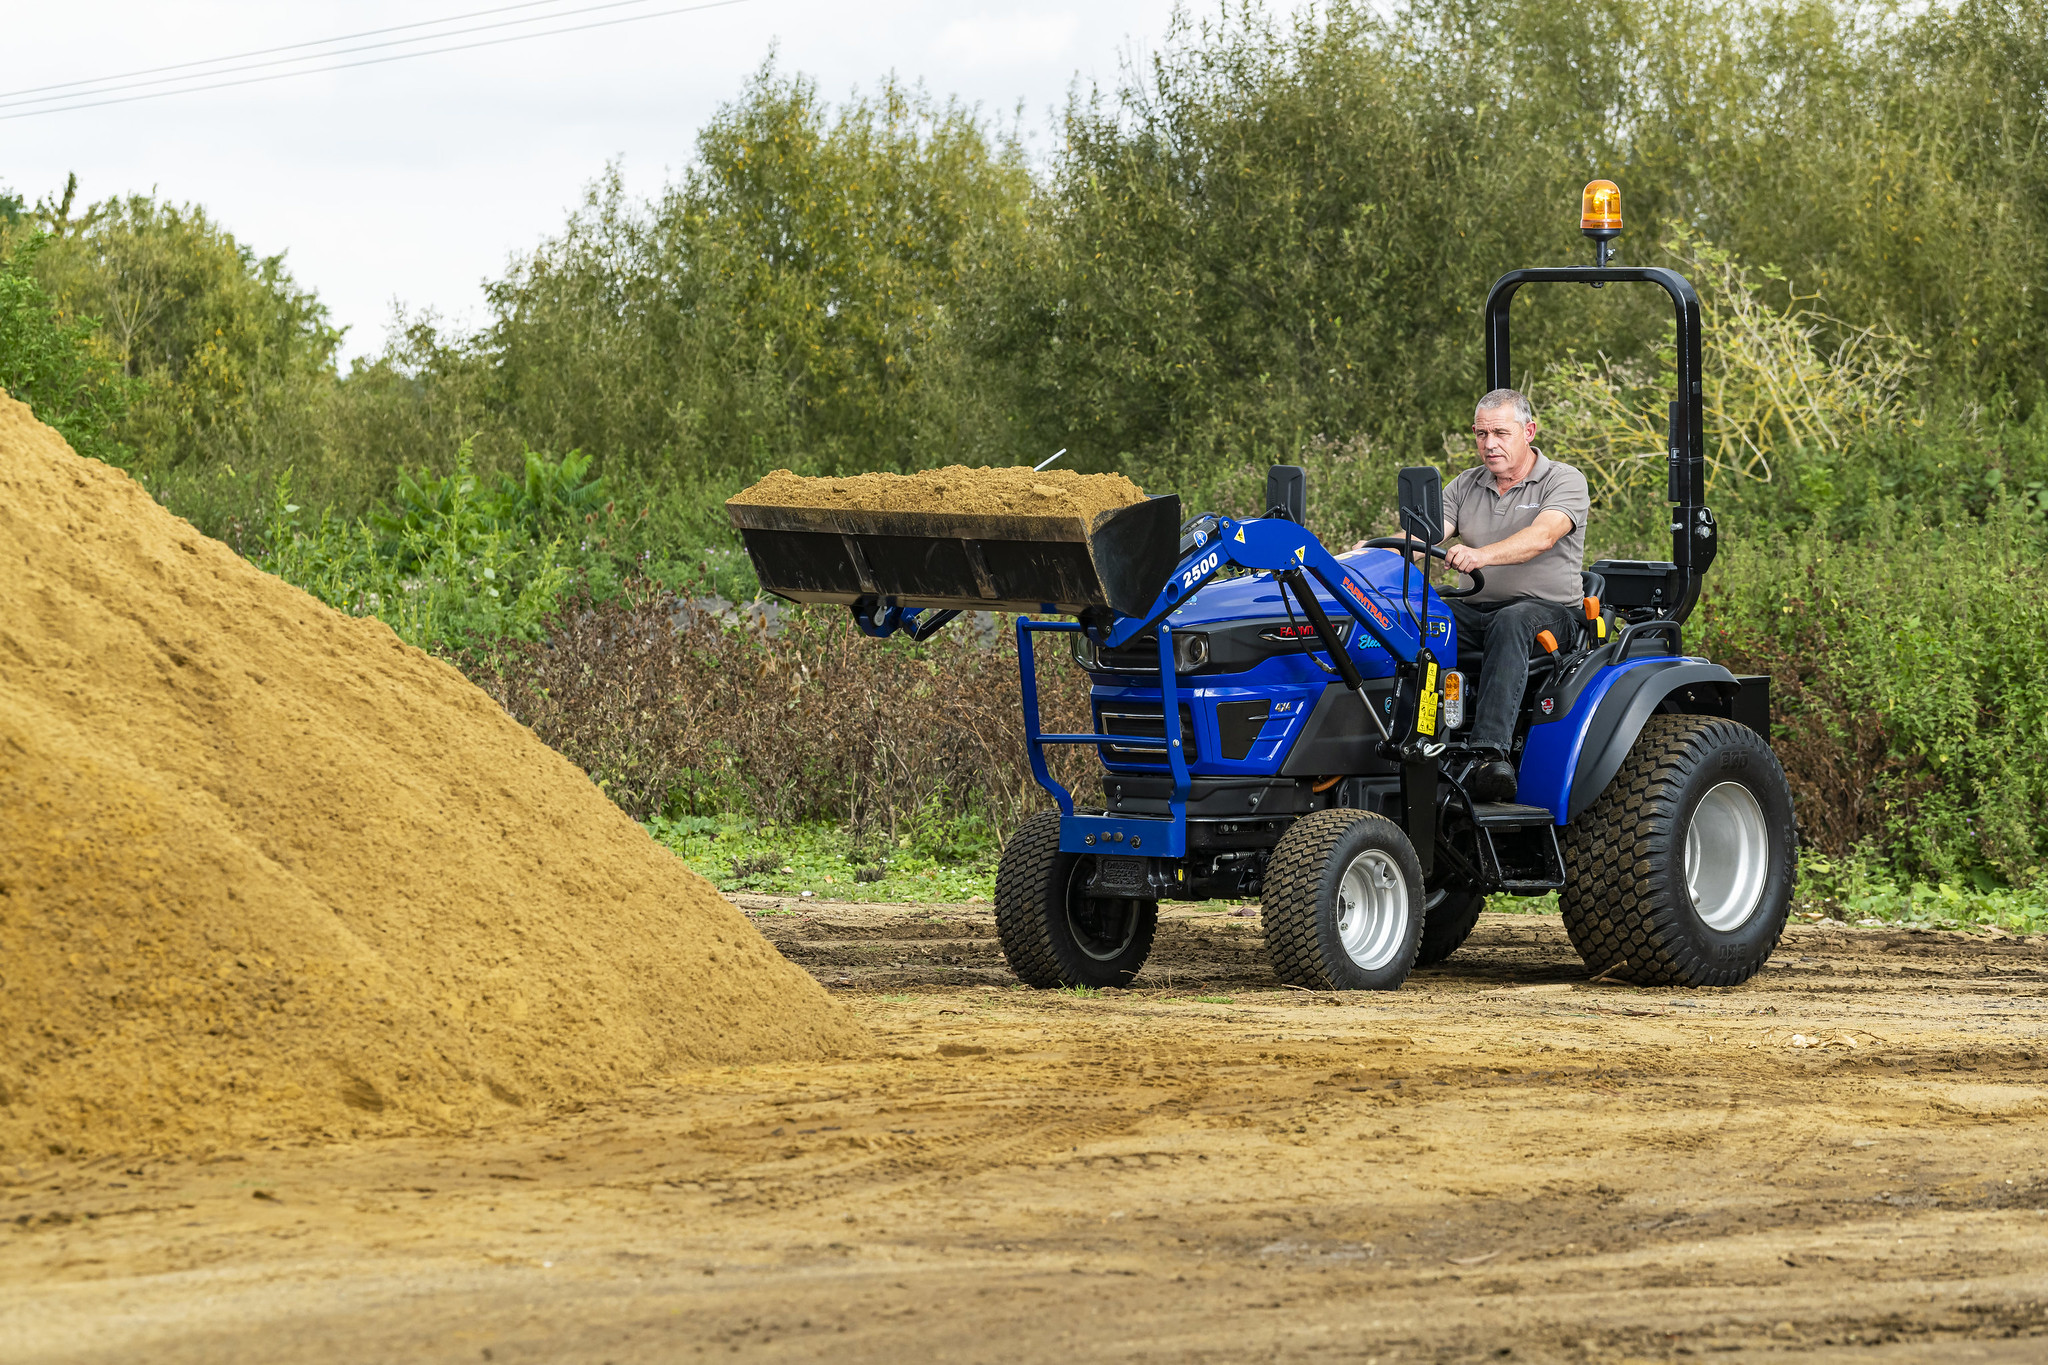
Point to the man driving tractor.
(1522, 516)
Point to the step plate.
(1508, 815)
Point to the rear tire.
(1446, 925)
(1343, 903)
(1051, 934)
(1681, 873)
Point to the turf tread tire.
(1619, 893)
(1031, 879)
(1290, 900)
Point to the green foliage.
(552, 498)
(1863, 888)
(53, 363)
(1279, 230)
(791, 300)
(230, 358)
(459, 566)
(1910, 686)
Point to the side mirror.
(1287, 489)
(1422, 503)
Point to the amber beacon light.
(1600, 217)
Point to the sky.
(411, 182)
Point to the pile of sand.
(1022, 491)
(267, 871)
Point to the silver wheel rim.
(1727, 856)
(1372, 910)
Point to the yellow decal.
(1300, 553)
(1240, 535)
(1429, 679)
(1425, 709)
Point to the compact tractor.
(1280, 722)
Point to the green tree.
(795, 298)
(54, 363)
(231, 358)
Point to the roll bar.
(1694, 537)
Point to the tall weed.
(455, 565)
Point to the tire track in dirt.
(1500, 1156)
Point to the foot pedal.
(1518, 849)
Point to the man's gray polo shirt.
(1483, 516)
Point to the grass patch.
(958, 866)
(1859, 890)
(736, 854)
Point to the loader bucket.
(978, 563)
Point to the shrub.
(1910, 687)
(673, 711)
(51, 361)
(454, 566)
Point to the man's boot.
(1491, 777)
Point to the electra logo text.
(1370, 610)
(1189, 578)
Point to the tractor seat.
(1593, 584)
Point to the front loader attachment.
(975, 563)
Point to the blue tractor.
(1276, 721)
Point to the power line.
(288, 47)
(113, 89)
(374, 61)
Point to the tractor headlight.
(1190, 652)
(1454, 700)
(1084, 650)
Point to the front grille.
(1136, 656)
(1142, 720)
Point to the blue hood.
(1256, 596)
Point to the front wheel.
(1343, 903)
(1681, 873)
(1052, 933)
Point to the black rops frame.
(1693, 533)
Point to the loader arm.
(1280, 547)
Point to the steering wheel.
(1405, 543)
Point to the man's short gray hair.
(1508, 398)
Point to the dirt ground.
(1843, 1160)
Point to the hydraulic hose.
(1297, 583)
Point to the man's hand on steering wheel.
(1466, 558)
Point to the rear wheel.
(1343, 903)
(1054, 935)
(1447, 924)
(1681, 873)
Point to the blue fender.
(1567, 762)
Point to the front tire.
(1052, 935)
(1343, 903)
(1681, 873)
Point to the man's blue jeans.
(1506, 631)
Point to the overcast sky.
(412, 181)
